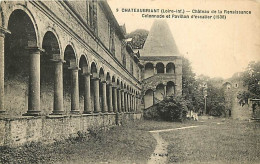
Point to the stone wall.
(19, 131)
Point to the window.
(92, 14)
(131, 67)
(111, 31)
(123, 48)
(137, 73)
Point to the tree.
(138, 38)
(251, 79)
(191, 90)
(215, 99)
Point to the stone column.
(114, 88)
(154, 71)
(134, 103)
(96, 95)
(119, 101)
(123, 100)
(87, 97)
(130, 102)
(125, 96)
(137, 103)
(104, 96)
(110, 101)
(74, 90)
(34, 82)
(165, 69)
(58, 87)
(2, 68)
(165, 90)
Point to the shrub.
(169, 109)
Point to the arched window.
(160, 67)
(148, 70)
(170, 68)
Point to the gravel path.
(160, 154)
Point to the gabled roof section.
(160, 41)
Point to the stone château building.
(67, 64)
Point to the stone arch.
(69, 65)
(93, 69)
(108, 78)
(55, 33)
(84, 64)
(170, 88)
(83, 71)
(160, 67)
(148, 98)
(2, 19)
(24, 34)
(113, 79)
(118, 82)
(70, 56)
(148, 70)
(48, 62)
(159, 93)
(102, 79)
(24, 9)
(71, 44)
(101, 74)
(121, 85)
(170, 68)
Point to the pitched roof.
(160, 41)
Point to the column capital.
(114, 86)
(109, 84)
(95, 78)
(58, 60)
(86, 74)
(35, 49)
(104, 82)
(4, 31)
(74, 68)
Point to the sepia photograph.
(130, 82)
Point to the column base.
(77, 112)
(2, 112)
(87, 112)
(32, 113)
(57, 113)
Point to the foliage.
(251, 79)
(191, 91)
(215, 100)
(138, 38)
(169, 109)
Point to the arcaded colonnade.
(161, 79)
(151, 69)
(44, 66)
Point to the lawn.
(120, 144)
(215, 142)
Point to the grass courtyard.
(212, 141)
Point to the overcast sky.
(217, 48)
